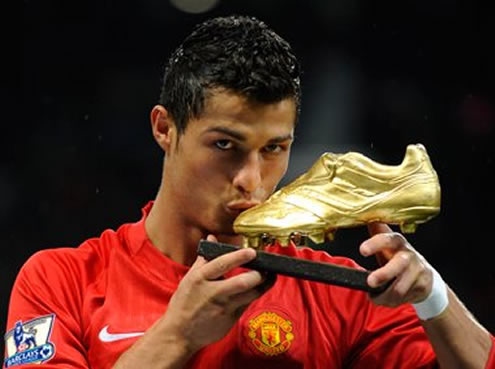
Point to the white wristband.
(436, 302)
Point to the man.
(140, 297)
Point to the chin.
(220, 225)
(224, 225)
(227, 231)
(223, 231)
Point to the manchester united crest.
(270, 333)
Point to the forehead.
(231, 110)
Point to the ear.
(163, 127)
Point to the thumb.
(378, 227)
(211, 238)
(200, 261)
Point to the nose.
(248, 178)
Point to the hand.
(399, 260)
(205, 307)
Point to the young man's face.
(229, 159)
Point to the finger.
(401, 291)
(269, 280)
(386, 243)
(386, 298)
(396, 266)
(405, 283)
(243, 299)
(199, 262)
(378, 227)
(222, 264)
(238, 284)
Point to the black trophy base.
(298, 268)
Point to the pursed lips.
(237, 207)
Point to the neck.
(169, 234)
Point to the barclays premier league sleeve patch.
(29, 342)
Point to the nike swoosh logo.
(104, 336)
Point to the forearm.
(157, 349)
(202, 310)
(458, 339)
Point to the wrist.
(173, 336)
(436, 302)
(159, 348)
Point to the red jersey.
(83, 307)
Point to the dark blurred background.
(378, 75)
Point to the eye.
(274, 148)
(224, 144)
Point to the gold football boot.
(345, 190)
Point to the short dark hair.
(238, 53)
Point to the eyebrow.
(239, 136)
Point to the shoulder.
(77, 264)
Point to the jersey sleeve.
(44, 320)
(491, 358)
(392, 338)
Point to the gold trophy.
(338, 191)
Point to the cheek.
(274, 173)
(206, 174)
